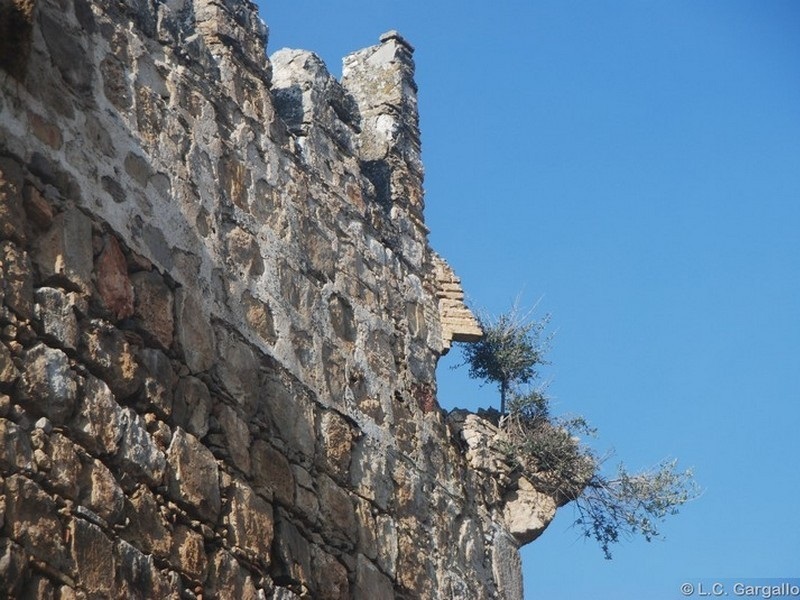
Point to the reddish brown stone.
(46, 131)
(37, 207)
(425, 397)
(113, 282)
(153, 307)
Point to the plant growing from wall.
(548, 451)
(509, 351)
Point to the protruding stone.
(102, 493)
(458, 322)
(16, 284)
(394, 35)
(12, 215)
(193, 477)
(98, 421)
(192, 406)
(292, 553)
(13, 567)
(158, 381)
(15, 447)
(188, 553)
(227, 578)
(337, 511)
(153, 307)
(138, 575)
(64, 469)
(271, 471)
(8, 370)
(147, 528)
(337, 444)
(65, 252)
(330, 577)
(32, 521)
(370, 582)
(106, 349)
(527, 512)
(56, 310)
(37, 207)
(138, 453)
(250, 523)
(93, 553)
(113, 283)
(238, 370)
(237, 437)
(49, 386)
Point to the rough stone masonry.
(220, 320)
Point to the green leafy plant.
(549, 452)
(509, 352)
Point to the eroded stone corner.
(458, 322)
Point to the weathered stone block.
(109, 353)
(153, 307)
(15, 447)
(147, 529)
(159, 381)
(387, 543)
(102, 493)
(194, 331)
(98, 423)
(370, 473)
(250, 523)
(238, 369)
(32, 521)
(237, 437)
(227, 580)
(527, 512)
(192, 406)
(64, 252)
(370, 582)
(336, 448)
(12, 215)
(37, 208)
(8, 371)
(290, 414)
(49, 386)
(292, 553)
(330, 577)
(93, 553)
(342, 318)
(113, 283)
(193, 476)
(271, 470)
(13, 567)
(137, 575)
(337, 512)
(506, 566)
(306, 499)
(65, 466)
(138, 453)
(258, 315)
(56, 311)
(16, 284)
(188, 553)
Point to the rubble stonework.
(220, 320)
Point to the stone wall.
(221, 319)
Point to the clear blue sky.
(636, 164)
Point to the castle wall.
(221, 319)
